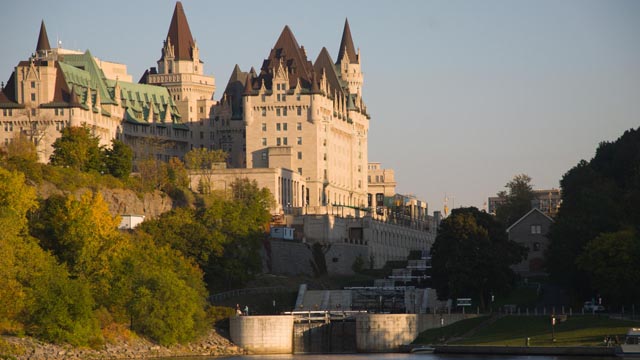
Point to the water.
(397, 356)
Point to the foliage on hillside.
(595, 241)
(69, 276)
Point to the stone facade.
(181, 71)
(57, 88)
(309, 118)
(531, 232)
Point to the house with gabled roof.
(531, 231)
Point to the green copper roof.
(88, 73)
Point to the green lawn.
(439, 335)
(583, 330)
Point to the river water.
(400, 356)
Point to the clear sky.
(463, 94)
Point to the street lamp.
(553, 326)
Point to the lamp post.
(553, 326)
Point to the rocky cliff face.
(151, 205)
(121, 201)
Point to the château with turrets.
(297, 127)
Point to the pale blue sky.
(463, 94)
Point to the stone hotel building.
(299, 128)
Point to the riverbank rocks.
(27, 348)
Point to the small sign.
(463, 301)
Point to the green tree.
(599, 197)
(472, 255)
(612, 259)
(517, 201)
(81, 233)
(118, 159)
(160, 291)
(223, 238)
(78, 148)
(202, 160)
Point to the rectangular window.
(299, 140)
(278, 141)
(299, 126)
(284, 111)
(535, 229)
(278, 87)
(300, 171)
(284, 141)
(284, 97)
(284, 125)
(278, 96)
(298, 97)
(56, 112)
(299, 155)
(264, 126)
(277, 126)
(278, 112)
(61, 111)
(264, 97)
(33, 84)
(33, 112)
(264, 155)
(33, 97)
(299, 109)
(264, 141)
(264, 111)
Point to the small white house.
(129, 222)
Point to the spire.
(346, 46)
(43, 39)
(180, 35)
(248, 88)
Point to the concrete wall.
(387, 332)
(263, 334)
(294, 258)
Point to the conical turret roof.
(43, 39)
(346, 45)
(180, 34)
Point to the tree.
(78, 148)
(81, 233)
(202, 160)
(610, 260)
(118, 159)
(599, 201)
(160, 291)
(472, 255)
(223, 238)
(21, 147)
(517, 202)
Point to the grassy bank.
(583, 330)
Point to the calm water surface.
(399, 356)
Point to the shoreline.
(210, 344)
(526, 350)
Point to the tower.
(181, 71)
(349, 62)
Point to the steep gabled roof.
(324, 62)
(43, 39)
(235, 89)
(180, 34)
(346, 46)
(293, 58)
(527, 215)
(8, 94)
